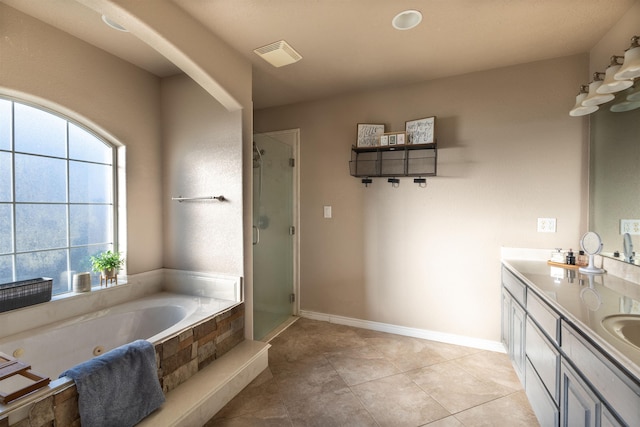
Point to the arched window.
(57, 205)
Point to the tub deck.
(207, 329)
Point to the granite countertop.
(585, 300)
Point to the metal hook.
(422, 182)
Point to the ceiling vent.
(278, 54)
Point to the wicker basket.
(24, 293)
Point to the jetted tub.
(55, 348)
(158, 306)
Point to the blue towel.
(118, 388)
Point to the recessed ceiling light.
(406, 20)
(113, 24)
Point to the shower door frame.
(293, 140)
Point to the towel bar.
(183, 199)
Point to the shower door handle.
(256, 235)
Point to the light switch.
(327, 211)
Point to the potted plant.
(107, 264)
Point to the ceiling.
(350, 45)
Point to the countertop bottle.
(582, 259)
(558, 256)
(571, 259)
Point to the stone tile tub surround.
(179, 356)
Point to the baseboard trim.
(406, 331)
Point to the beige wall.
(429, 258)
(202, 151)
(43, 65)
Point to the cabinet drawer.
(544, 358)
(544, 316)
(545, 409)
(514, 286)
(620, 392)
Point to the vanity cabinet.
(615, 391)
(394, 161)
(542, 380)
(580, 406)
(568, 379)
(513, 321)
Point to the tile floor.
(323, 374)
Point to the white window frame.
(117, 165)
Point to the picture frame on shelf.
(393, 138)
(421, 131)
(369, 134)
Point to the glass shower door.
(272, 234)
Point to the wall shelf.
(394, 161)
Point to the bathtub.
(171, 309)
(53, 349)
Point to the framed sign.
(369, 134)
(393, 138)
(420, 131)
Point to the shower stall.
(273, 230)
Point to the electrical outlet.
(631, 226)
(546, 225)
(327, 212)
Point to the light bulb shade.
(634, 95)
(579, 109)
(625, 106)
(631, 67)
(610, 84)
(595, 98)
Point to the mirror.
(591, 245)
(614, 174)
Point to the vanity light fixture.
(395, 182)
(594, 98)
(579, 109)
(367, 181)
(113, 24)
(617, 77)
(406, 20)
(631, 67)
(610, 84)
(422, 182)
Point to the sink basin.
(624, 326)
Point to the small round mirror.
(592, 245)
